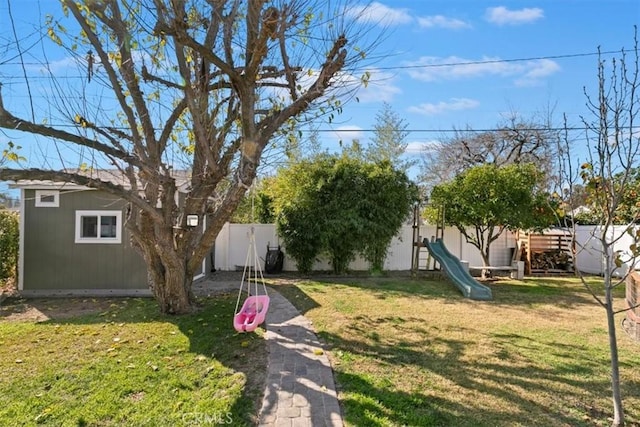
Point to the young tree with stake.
(609, 176)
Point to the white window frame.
(98, 214)
(47, 193)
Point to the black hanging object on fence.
(274, 260)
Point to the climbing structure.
(420, 256)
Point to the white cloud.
(377, 92)
(439, 21)
(380, 88)
(502, 16)
(431, 69)
(454, 104)
(64, 64)
(420, 147)
(537, 72)
(453, 67)
(347, 133)
(378, 13)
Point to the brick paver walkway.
(300, 387)
(300, 390)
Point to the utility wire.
(540, 129)
(497, 61)
(530, 129)
(416, 66)
(24, 71)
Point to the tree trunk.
(485, 262)
(168, 274)
(174, 295)
(618, 412)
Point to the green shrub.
(339, 207)
(9, 242)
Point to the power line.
(551, 129)
(529, 129)
(403, 67)
(498, 61)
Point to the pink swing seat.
(251, 314)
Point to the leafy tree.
(485, 200)
(610, 177)
(202, 86)
(296, 210)
(255, 206)
(387, 201)
(625, 184)
(629, 209)
(341, 206)
(576, 197)
(7, 201)
(515, 141)
(301, 148)
(389, 140)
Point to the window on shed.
(98, 226)
(47, 198)
(108, 226)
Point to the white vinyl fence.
(233, 242)
(589, 251)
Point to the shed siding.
(52, 259)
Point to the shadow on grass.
(368, 403)
(564, 292)
(302, 302)
(368, 400)
(209, 339)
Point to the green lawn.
(406, 352)
(127, 365)
(415, 353)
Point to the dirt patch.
(16, 309)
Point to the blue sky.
(444, 64)
(512, 56)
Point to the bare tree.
(515, 141)
(613, 156)
(201, 85)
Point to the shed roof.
(115, 176)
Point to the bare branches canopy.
(200, 86)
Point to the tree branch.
(9, 121)
(627, 309)
(79, 179)
(334, 61)
(99, 10)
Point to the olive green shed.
(74, 240)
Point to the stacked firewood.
(555, 259)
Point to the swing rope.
(250, 274)
(254, 307)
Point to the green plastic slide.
(459, 275)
